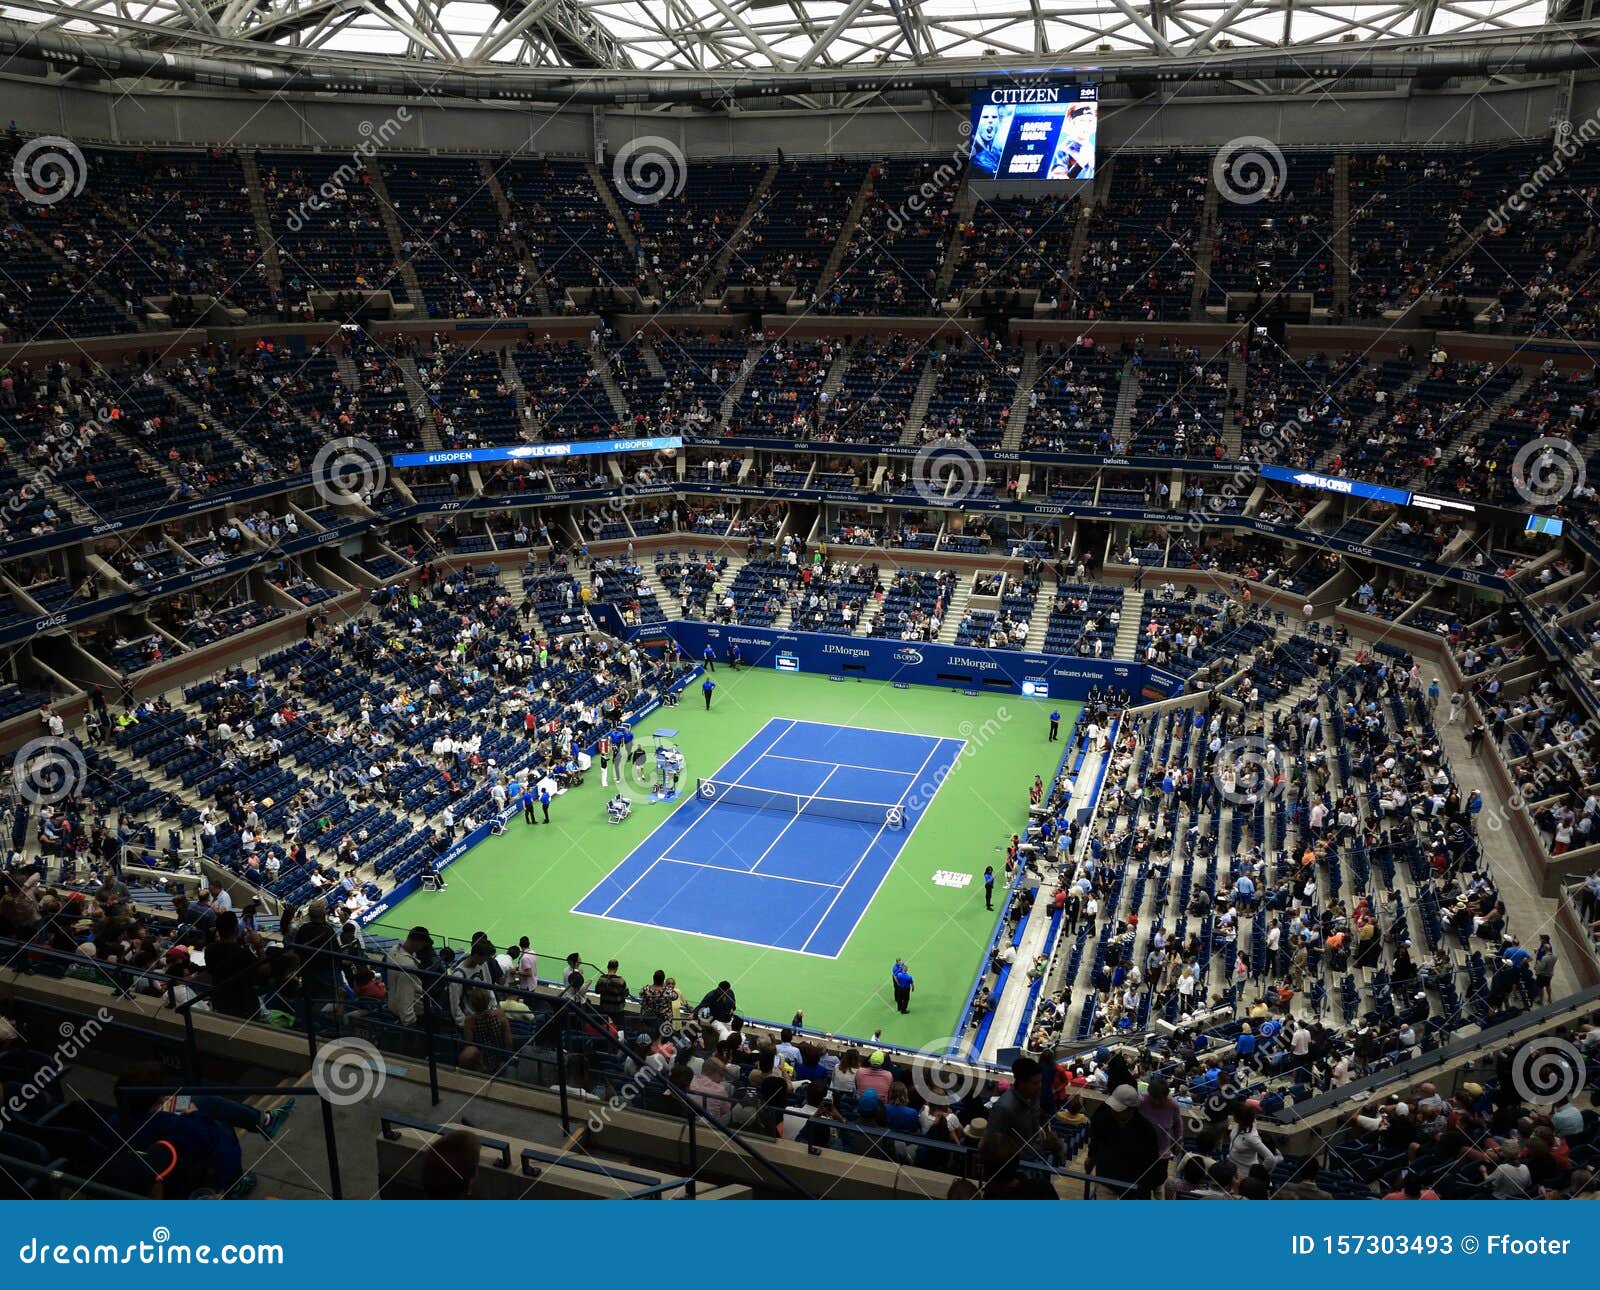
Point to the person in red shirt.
(1411, 1188)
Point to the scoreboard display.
(1044, 132)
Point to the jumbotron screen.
(1043, 132)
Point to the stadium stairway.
(87, 281)
(955, 609)
(423, 406)
(346, 368)
(530, 265)
(624, 228)
(258, 207)
(497, 192)
(654, 585)
(960, 216)
(608, 380)
(835, 377)
(1127, 401)
(1017, 425)
(1232, 433)
(918, 410)
(1038, 624)
(1341, 236)
(1485, 417)
(1080, 232)
(1205, 243)
(398, 235)
(1012, 1012)
(747, 367)
(67, 503)
(1127, 646)
(519, 391)
(847, 231)
(719, 267)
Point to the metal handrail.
(595, 1026)
(125, 1093)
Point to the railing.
(14, 1169)
(567, 1026)
(532, 1160)
(128, 1093)
(156, 1039)
(398, 934)
(1436, 1060)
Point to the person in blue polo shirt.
(710, 657)
(1055, 726)
(529, 798)
(900, 975)
(706, 689)
(544, 803)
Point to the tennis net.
(889, 814)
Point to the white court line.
(871, 730)
(937, 744)
(666, 823)
(846, 765)
(811, 798)
(722, 868)
(868, 730)
(710, 936)
(631, 886)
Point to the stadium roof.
(701, 35)
(776, 40)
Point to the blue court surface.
(763, 852)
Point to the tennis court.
(786, 844)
